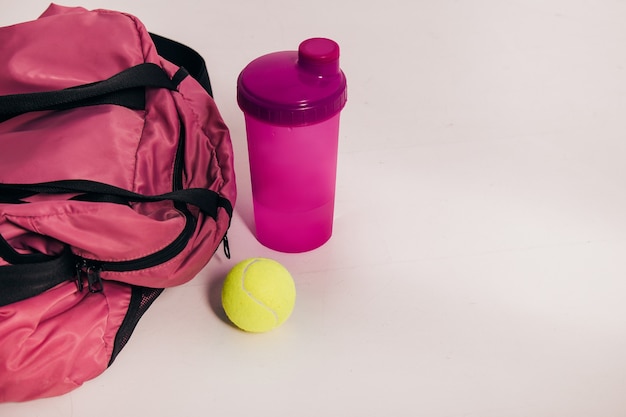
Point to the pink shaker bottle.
(291, 102)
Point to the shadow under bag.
(116, 181)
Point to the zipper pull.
(226, 246)
(94, 280)
(79, 276)
(92, 273)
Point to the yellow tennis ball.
(258, 295)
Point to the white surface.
(477, 267)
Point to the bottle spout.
(319, 56)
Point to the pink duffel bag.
(116, 181)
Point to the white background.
(477, 266)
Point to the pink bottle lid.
(294, 88)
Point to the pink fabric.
(52, 343)
(46, 54)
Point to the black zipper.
(90, 269)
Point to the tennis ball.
(258, 295)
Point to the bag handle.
(109, 91)
(183, 56)
(124, 88)
(208, 201)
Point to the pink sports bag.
(116, 181)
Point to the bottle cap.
(294, 88)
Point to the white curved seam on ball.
(243, 287)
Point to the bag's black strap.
(14, 257)
(120, 88)
(125, 89)
(183, 56)
(206, 200)
(25, 280)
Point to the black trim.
(184, 56)
(141, 299)
(157, 258)
(206, 200)
(126, 87)
(14, 257)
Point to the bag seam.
(140, 40)
(196, 120)
(139, 32)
